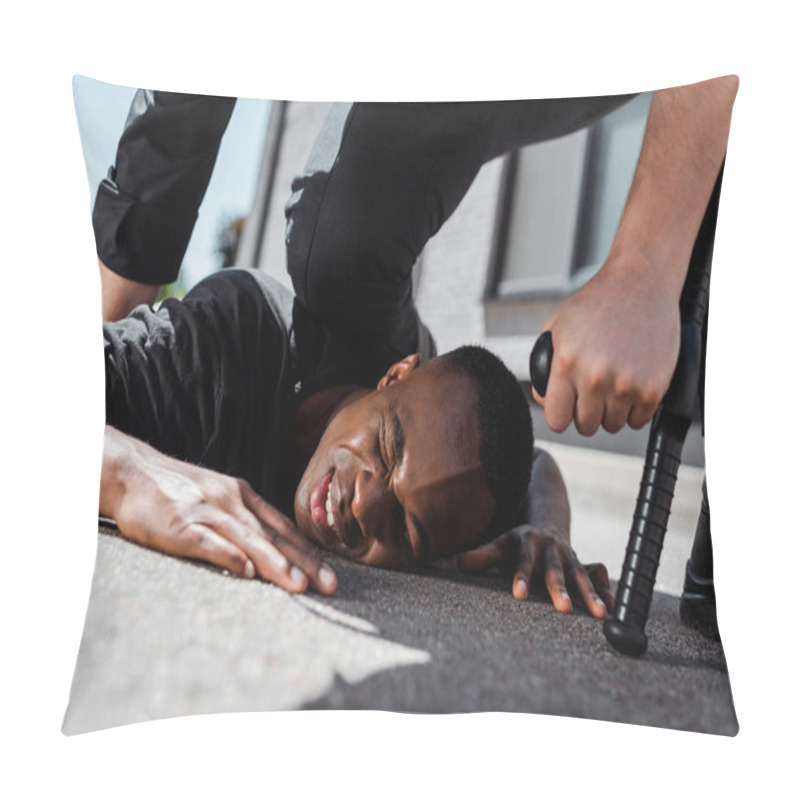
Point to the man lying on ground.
(235, 409)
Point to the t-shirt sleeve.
(147, 206)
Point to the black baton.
(624, 630)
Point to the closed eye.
(391, 440)
(398, 439)
(391, 446)
(382, 448)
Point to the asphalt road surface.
(165, 637)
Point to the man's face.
(396, 477)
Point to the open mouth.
(321, 507)
(330, 520)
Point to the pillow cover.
(366, 238)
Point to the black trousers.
(382, 179)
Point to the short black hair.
(505, 427)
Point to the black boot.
(699, 602)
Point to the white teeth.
(329, 507)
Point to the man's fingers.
(528, 556)
(588, 412)
(599, 577)
(559, 404)
(320, 575)
(269, 515)
(641, 414)
(283, 534)
(554, 580)
(201, 542)
(270, 563)
(618, 409)
(646, 399)
(586, 589)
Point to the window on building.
(561, 203)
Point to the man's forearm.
(682, 152)
(118, 456)
(121, 295)
(547, 505)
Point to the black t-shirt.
(214, 378)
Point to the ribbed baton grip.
(625, 631)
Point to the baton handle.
(540, 362)
(625, 629)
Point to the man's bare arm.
(682, 152)
(189, 511)
(121, 295)
(547, 505)
(616, 340)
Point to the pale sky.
(102, 109)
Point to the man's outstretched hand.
(189, 511)
(536, 555)
(615, 347)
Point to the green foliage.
(176, 289)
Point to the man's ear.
(399, 371)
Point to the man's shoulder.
(245, 285)
(246, 278)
